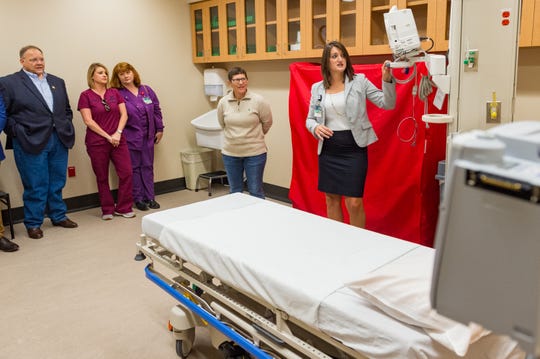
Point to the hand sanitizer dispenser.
(215, 83)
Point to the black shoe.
(8, 246)
(142, 206)
(152, 204)
(35, 232)
(66, 223)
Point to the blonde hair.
(91, 70)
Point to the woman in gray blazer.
(338, 118)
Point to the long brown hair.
(325, 61)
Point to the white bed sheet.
(298, 262)
(372, 332)
(265, 249)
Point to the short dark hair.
(236, 71)
(23, 50)
(325, 71)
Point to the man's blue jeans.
(253, 166)
(43, 177)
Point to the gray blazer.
(357, 92)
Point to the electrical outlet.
(496, 118)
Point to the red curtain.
(401, 196)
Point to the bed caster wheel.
(184, 346)
(182, 325)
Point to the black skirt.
(342, 165)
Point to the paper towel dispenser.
(215, 83)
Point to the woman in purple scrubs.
(143, 130)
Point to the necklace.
(334, 107)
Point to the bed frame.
(241, 326)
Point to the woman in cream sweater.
(245, 118)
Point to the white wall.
(154, 35)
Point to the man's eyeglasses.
(241, 79)
(106, 105)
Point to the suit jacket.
(357, 92)
(29, 119)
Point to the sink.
(208, 133)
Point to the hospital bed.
(271, 281)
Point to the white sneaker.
(107, 217)
(125, 215)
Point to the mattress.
(301, 263)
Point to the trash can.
(194, 163)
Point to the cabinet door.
(271, 36)
(200, 32)
(215, 51)
(347, 25)
(375, 39)
(293, 28)
(229, 14)
(261, 33)
(425, 17)
(318, 26)
(529, 34)
(442, 25)
(526, 26)
(536, 25)
(250, 29)
(215, 32)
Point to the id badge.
(147, 100)
(317, 111)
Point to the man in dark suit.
(40, 132)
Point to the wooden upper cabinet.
(529, 34)
(240, 30)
